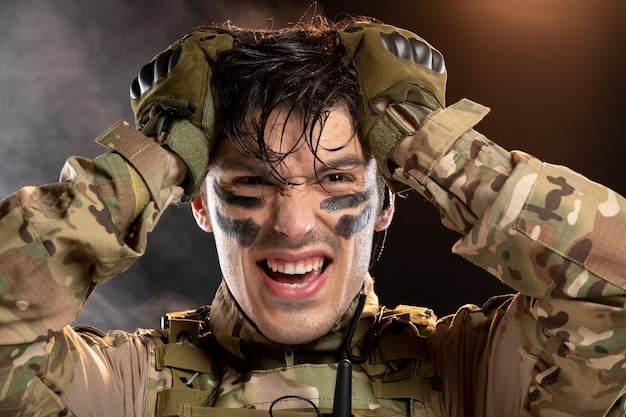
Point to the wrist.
(192, 148)
(391, 134)
(177, 170)
(400, 153)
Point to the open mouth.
(296, 274)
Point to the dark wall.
(551, 72)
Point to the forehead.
(287, 138)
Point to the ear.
(383, 219)
(201, 215)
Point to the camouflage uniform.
(555, 348)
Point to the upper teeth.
(293, 268)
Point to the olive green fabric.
(385, 76)
(172, 94)
(388, 383)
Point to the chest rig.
(391, 374)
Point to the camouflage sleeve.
(552, 235)
(58, 242)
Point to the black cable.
(213, 394)
(352, 329)
(298, 397)
(342, 402)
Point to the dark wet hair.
(301, 69)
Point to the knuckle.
(413, 49)
(153, 71)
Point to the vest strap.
(412, 387)
(395, 359)
(187, 357)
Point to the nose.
(295, 214)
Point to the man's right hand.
(173, 101)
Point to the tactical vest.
(387, 383)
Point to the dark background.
(551, 70)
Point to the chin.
(292, 339)
(297, 332)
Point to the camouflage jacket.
(556, 348)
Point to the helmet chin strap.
(377, 249)
(380, 237)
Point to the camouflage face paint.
(345, 202)
(250, 203)
(245, 231)
(349, 225)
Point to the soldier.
(290, 144)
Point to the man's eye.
(337, 177)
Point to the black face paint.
(345, 202)
(348, 225)
(250, 203)
(245, 231)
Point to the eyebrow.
(345, 162)
(244, 164)
(257, 167)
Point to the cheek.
(229, 198)
(244, 231)
(349, 225)
(346, 202)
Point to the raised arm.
(59, 241)
(549, 233)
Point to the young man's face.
(294, 257)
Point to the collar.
(245, 348)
